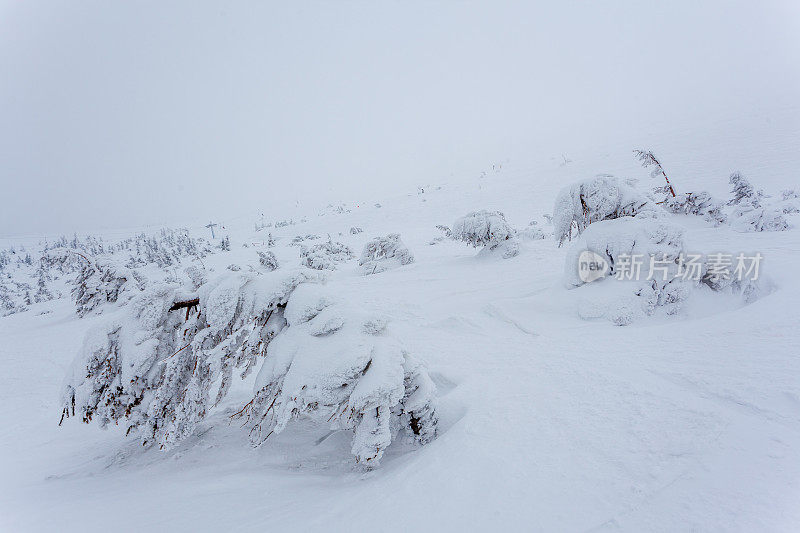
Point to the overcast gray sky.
(123, 113)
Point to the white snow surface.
(548, 422)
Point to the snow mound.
(613, 239)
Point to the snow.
(547, 421)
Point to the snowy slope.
(548, 422)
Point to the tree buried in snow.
(160, 371)
(338, 365)
(632, 292)
(154, 368)
(326, 255)
(487, 230)
(614, 241)
(599, 198)
(383, 253)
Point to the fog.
(115, 114)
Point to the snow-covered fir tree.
(43, 293)
(268, 260)
(742, 191)
(7, 305)
(753, 211)
(160, 371)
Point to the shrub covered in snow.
(748, 217)
(383, 253)
(268, 260)
(301, 238)
(488, 230)
(593, 200)
(749, 210)
(326, 255)
(752, 213)
(700, 204)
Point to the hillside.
(547, 421)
